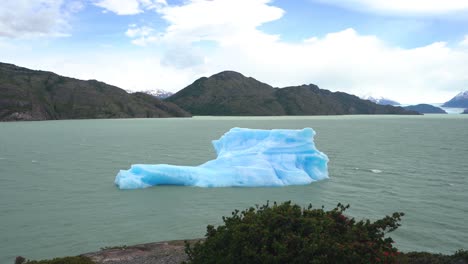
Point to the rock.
(170, 252)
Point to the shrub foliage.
(287, 233)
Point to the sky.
(411, 51)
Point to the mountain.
(460, 100)
(381, 100)
(158, 93)
(231, 93)
(38, 95)
(465, 111)
(426, 109)
(228, 93)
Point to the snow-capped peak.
(159, 93)
(380, 100)
(463, 94)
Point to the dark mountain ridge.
(231, 93)
(40, 95)
(228, 93)
(426, 109)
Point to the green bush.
(287, 233)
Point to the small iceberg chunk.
(245, 158)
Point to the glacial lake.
(57, 195)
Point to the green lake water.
(57, 195)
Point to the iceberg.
(245, 158)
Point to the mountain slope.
(38, 95)
(426, 109)
(460, 100)
(228, 93)
(231, 93)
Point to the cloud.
(405, 7)
(129, 7)
(221, 20)
(75, 6)
(34, 18)
(142, 36)
(224, 22)
(183, 57)
(120, 7)
(464, 42)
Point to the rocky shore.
(170, 252)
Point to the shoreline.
(172, 251)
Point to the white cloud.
(120, 7)
(33, 18)
(129, 7)
(75, 6)
(464, 42)
(183, 57)
(142, 36)
(422, 7)
(221, 20)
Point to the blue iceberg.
(245, 158)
